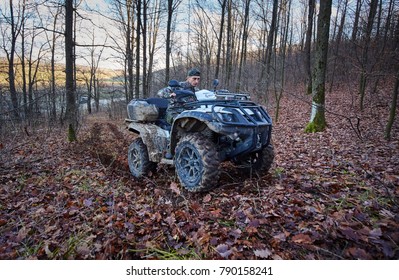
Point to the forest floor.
(329, 195)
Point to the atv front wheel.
(197, 163)
(259, 161)
(139, 163)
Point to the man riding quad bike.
(207, 128)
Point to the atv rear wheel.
(197, 163)
(139, 163)
(260, 161)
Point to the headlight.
(227, 117)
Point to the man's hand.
(172, 95)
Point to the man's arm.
(166, 93)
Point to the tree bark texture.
(317, 119)
(71, 115)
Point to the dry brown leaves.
(329, 195)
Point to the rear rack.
(226, 95)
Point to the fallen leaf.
(175, 188)
(359, 253)
(263, 253)
(350, 234)
(87, 202)
(207, 198)
(376, 232)
(236, 233)
(280, 236)
(170, 220)
(83, 250)
(302, 239)
(216, 212)
(223, 250)
(22, 233)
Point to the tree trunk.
(364, 60)
(389, 26)
(33, 69)
(220, 38)
(11, 57)
(244, 39)
(168, 41)
(138, 46)
(308, 45)
(129, 49)
(229, 42)
(71, 107)
(285, 21)
(317, 119)
(266, 63)
(23, 72)
(338, 43)
(153, 41)
(356, 20)
(392, 112)
(53, 96)
(270, 40)
(144, 32)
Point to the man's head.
(193, 77)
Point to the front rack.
(251, 113)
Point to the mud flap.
(155, 138)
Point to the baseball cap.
(194, 72)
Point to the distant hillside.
(105, 76)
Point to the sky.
(93, 23)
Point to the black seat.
(161, 103)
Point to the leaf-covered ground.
(330, 195)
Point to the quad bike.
(209, 127)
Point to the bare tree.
(229, 42)
(308, 45)
(14, 21)
(173, 5)
(71, 114)
(365, 54)
(317, 118)
(144, 36)
(355, 27)
(394, 101)
(279, 76)
(129, 31)
(32, 53)
(138, 48)
(222, 4)
(392, 112)
(91, 76)
(244, 40)
(266, 63)
(53, 43)
(122, 13)
(204, 29)
(153, 32)
(338, 38)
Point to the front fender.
(188, 121)
(197, 115)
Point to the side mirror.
(174, 83)
(215, 83)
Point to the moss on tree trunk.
(317, 119)
(71, 133)
(318, 124)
